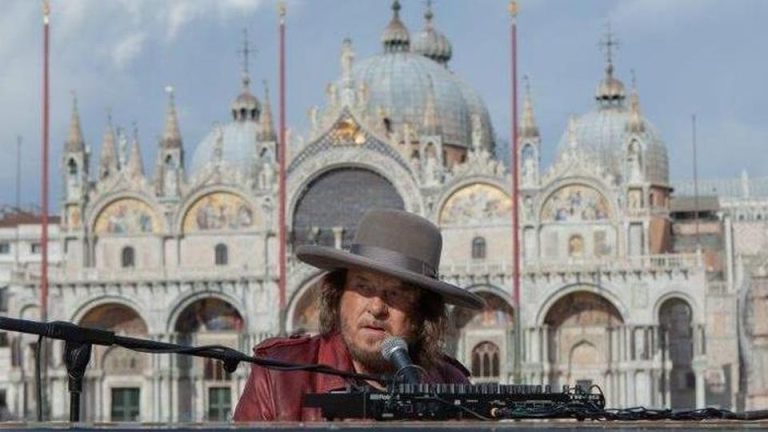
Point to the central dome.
(400, 83)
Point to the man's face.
(374, 306)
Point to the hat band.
(395, 259)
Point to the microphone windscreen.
(392, 344)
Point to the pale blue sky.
(690, 56)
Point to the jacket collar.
(334, 353)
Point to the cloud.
(127, 49)
(646, 16)
(182, 13)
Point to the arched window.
(128, 257)
(72, 166)
(485, 360)
(222, 254)
(478, 248)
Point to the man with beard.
(385, 285)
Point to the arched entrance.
(115, 379)
(485, 338)
(206, 390)
(579, 339)
(675, 319)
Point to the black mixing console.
(457, 401)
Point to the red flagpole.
(281, 148)
(514, 168)
(44, 197)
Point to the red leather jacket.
(274, 395)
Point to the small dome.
(432, 44)
(396, 37)
(610, 90)
(603, 135)
(238, 146)
(246, 106)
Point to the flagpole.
(281, 149)
(44, 205)
(513, 10)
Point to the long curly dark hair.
(431, 318)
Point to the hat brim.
(336, 259)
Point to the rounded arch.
(498, 310)
(680, 295)
(310, 169)
(114, 316)
(302, 311)
(184, 304)
(93, 303)
(584, 353)
(128, 213)
(579, 306)
(236, 209)
(485, 360)
(313, 219)
(546, 305)
(29, 311)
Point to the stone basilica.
(610, 292)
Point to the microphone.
(395, 350)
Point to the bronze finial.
(513, 8)
(46, 11)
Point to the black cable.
(227, 354)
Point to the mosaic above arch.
(220, 211)
(575, 203)
(126, 216)
(477, 203)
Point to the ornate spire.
(395, 37)
(135, 164)
(348, 82)
(430, 43)
(171, 135)
(267, 127)
(246, 106)
(635, 123)
(573, 141)
(528, 127)
(108, 159)
(431, 119)
(75, 142)
(610, 91)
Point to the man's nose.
(377, 306)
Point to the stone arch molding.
(492, 289)
(181, 302)
(298, 295)
(92, 303)
(348, 157)
(679, 295)
(258, 217)
(544, 307)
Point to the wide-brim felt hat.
(398, 244)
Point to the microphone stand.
(78, 342)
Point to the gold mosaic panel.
(126, 216)
(477, 203)
(220, 211)
(575, 203)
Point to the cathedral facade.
(189, 255)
